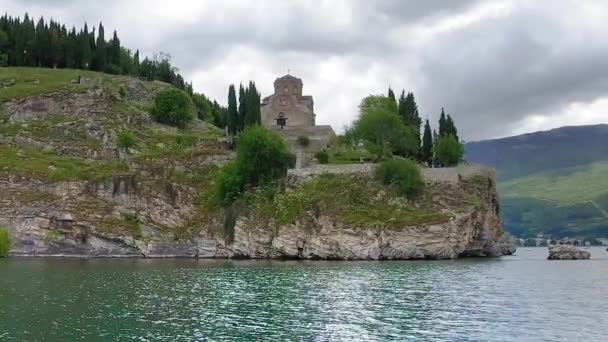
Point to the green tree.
(443, 128)
(5, 242)
(408, 111)
(262, 157)
(254, 116)
(233, 112)
(451, 128)
(114, 51)
(3, 49)
(173, 107)
(126, 140)
(448, 151)
(381, 129)
(101, 53)
(85, 49)
(243, 106)
(427, 144)
(391, 94)
(404, 174)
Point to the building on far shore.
(291, 114)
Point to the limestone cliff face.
(88, 219)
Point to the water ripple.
(519, 298)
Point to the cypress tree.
(451, 128)
(114, 51)
(101, 57)
(243, 110)
(391, 94)
(427, 144)
(443, 129)
(85, 48)
(408, 111)
(253, 114)
(233, 113)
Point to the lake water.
(518, 298)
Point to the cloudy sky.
(499, 67)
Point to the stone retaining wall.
(438, 175)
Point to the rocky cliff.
(69, 190)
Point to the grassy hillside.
(553, 182)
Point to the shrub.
(122, 92)
(5, 242)
(303, 141)
(262, 157)
(126, 140)
(173, 107)
(404, 174)
(448, 151)
(322, 156)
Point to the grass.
(55, 128)
(581, 184)
(45, 165)
(39, 81)
(349, 156)
(363, 203)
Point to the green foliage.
(404, 174)
(449, 151)
(354, 200)
(447, 126)
(126, 140)
(351, 156)
(391, 94)
(233, 112)
(49, 44)
(45, 165)
(303, 141)
(382, 130)
(173, 107)
(408, 111)
(5, 242)
(426, 155)
(262, 157)
(322, 156)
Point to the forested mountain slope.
(554, 182)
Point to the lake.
(518, 298)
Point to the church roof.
(288, 77)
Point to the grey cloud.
(498, 72)
(490, 74)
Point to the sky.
(500, 68)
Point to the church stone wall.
(288, 102)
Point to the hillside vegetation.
(552, 182)
(83, 152)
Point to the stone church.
(292, 114)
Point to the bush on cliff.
(404, 174)
(5, 242)
(173, 107)
(322, 156)
(262, 157)
(448, 151)
(126, 140)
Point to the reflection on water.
(518, 298)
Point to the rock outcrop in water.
(67, 190)
(565, 252)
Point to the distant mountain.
(553, 182)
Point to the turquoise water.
(518, 298)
